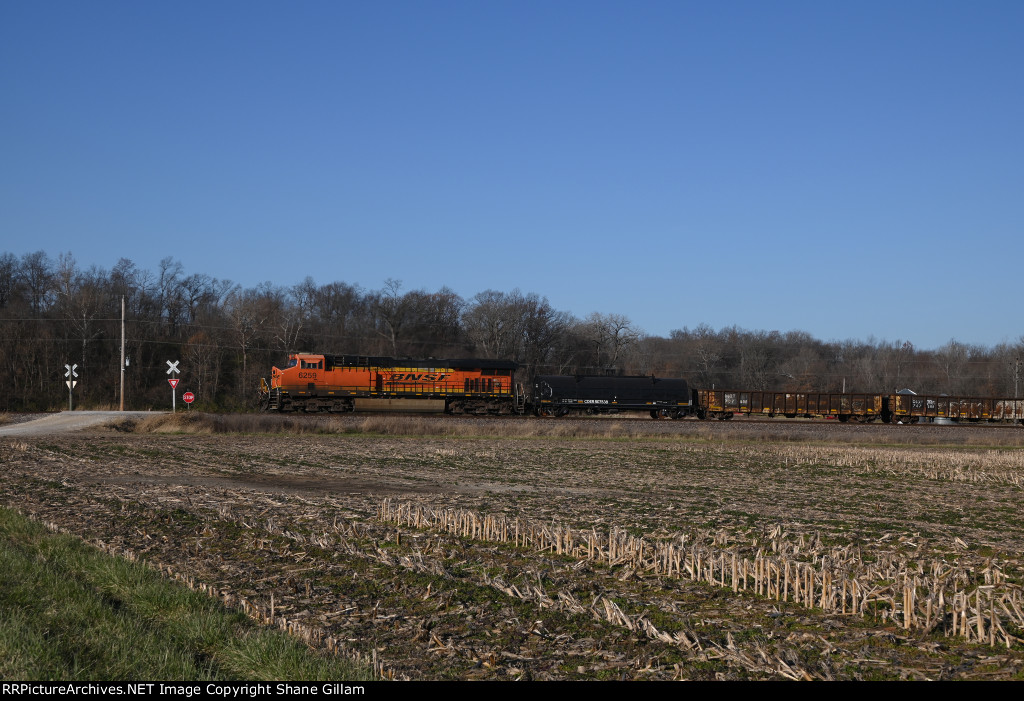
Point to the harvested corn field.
(573, 550)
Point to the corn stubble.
(887, 586)
(578, 550)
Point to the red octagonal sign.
(188, 397)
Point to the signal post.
(172, 368)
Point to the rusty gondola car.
(889, 408)
(911, 408)
(724, 404)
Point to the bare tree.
(81, 299)
(8, 279)
(611, 335)
(37, 277)
(493, 324)
(285, 318)
(543, 331)
(707, 352)
(342, 317)
(524, 328)
(802, 370)
(392, 311)
(247, 312)
(951, 360)
(196, 291)
(171, 298)
(754, 369)
(436, 321)
(203, 360)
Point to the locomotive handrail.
(442, 388)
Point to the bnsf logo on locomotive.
(418, 376)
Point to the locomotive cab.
(296, 370)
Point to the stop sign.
(188, 397)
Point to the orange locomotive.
(340, 383)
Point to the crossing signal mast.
(70, 382)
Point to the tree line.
(227, 336)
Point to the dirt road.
(68, 421)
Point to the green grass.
(69, 612)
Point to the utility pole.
(1016, 377)
(122, 352)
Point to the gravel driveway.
(68, 421)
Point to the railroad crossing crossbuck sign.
(172, 367)
(70, 382)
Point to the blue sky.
(849, 169)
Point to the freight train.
(342, 383)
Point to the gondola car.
(859, 407)
(911, 408)
(725, 403)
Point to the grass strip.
(69, 612)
